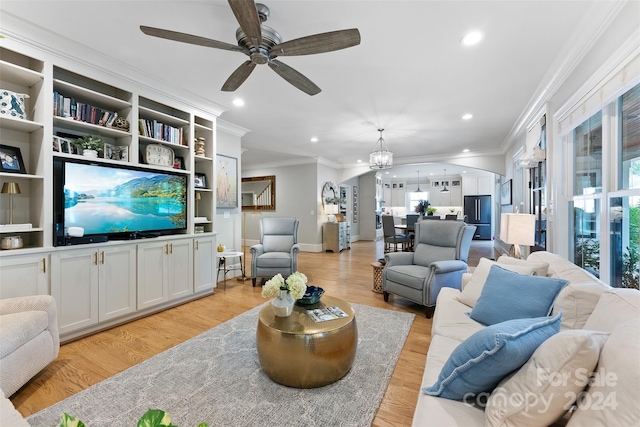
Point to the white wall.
(228, 222)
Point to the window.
(587, 157)
(629, 152)
(625, 235)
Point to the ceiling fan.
(263, 45)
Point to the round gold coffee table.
(297, 352)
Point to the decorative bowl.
(312, 295)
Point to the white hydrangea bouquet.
(295, 285)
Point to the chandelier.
(380, 157)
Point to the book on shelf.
(328, 313)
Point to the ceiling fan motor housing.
(270, 38)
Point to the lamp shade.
(331, 209)
(517, 229)
(10, 188)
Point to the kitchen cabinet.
(92, 285)
(477, 185)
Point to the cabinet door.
(485, 185)
(153, 287)
(74, 285)
(117, 281)
(180, 268)
(22, 276)
(204, 264)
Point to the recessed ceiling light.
(359, 161)
(471, 38)
(464, 171)
(238, 102)
(314, 139)
(466, 150)
(386, 173)
(467, 116)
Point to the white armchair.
(278, 249)
(29, 339)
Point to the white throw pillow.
(541, 267)
(545, 387)
(471, 292)
(613, 394)
(614, 307)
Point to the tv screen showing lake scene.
(105, 199)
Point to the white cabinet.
(165, 271)
(204, 263)
(24, 275)
(477, 185)
(93, 285)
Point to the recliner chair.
(278, 249)
(439, 259)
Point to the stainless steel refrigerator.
(478, 212)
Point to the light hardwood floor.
(347, 275)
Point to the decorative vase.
(90, 153)
(283, 304)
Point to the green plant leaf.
(69, 421)
(155, 418)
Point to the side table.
(221, 257)
(377, 276)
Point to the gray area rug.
(216, 378)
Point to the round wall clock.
(158, 154)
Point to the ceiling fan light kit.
(263, 45)
(380, 157)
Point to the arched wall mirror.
(259, 193)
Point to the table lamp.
(198, 198)
(10, 188)
(331, 211)
(517, 229)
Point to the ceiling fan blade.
(238, 76)
(317, 43)
(247, 16)
(294, 77)
(191, 39)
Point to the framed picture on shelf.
(226, 181)
(115, 152)
(66, 146)
(57, 146)
(200, 180)
(505, 193)
(178, 162)
(11, 160)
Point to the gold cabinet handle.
(171, 248)
(197, 246)
(166, 249)
(44, 265)
(102, 257)
(95, 258)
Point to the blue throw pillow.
(480, 362)
(508, 295)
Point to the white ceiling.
(409, 75)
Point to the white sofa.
(586, 303)
(29, 341)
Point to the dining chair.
(390, 235)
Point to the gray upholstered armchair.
(278, 249)
(439, 259)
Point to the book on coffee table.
(328, 313)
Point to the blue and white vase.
(283, 304)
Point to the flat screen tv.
(116, 201)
